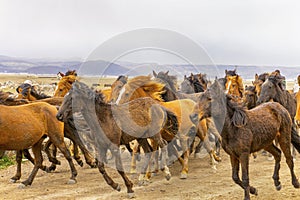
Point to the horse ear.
(256, 76)
(167, 72)
(154, 74)
(184, 77)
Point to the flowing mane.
(152, 87)
(239, 116)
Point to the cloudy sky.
(232, 31)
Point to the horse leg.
(244, 159)
(235, 164)
(286, 149)
(133, 158)
(59, 143)
(120, 169)
(164, 166)
(76, 154)
(52, 158)
(31, 159)
(17, 176)
(147, 149)
(272, 149)
(38, 160)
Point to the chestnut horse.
(113, 125)
(64, 85)
(27, 126)
(143, 86)
(297, 117)
(234, 84)
(243, 132)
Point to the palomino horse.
(234, 84)
(243, 132)
(29, 128)
(143, 86)
(112, 124)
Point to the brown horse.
(243, 132)
(143, 86)
(28, 128)
(250, 97)
(112, 125)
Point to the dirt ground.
(202, 183)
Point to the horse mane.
(239, 117)
(171, 80)
(298, 79)
(263, 77)
(122, 78)
(71, 72)
(152, 87)
(230, 72)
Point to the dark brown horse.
(113, 125)
(27, 126)
(250, 97)
(243, 132)
(29, 92)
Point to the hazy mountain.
(100, 68)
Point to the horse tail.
(295, 138)
(171, 125)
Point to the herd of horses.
(162, 118)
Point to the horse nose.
(59, 116)
(194, 118)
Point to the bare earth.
(202, 183)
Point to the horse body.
(243, 132)
(110, 125)
(26, 126)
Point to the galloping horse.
(27, 126)
(197, 83)
(243, 132)
(111, 125)
(143, 86)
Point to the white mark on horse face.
(122, 91)
(228, 86)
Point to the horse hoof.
(130, 195)
(253, 191)
(118, 188)
(183, 176)
(168, 177)
(21, 186)
(12, 180)
(278, 187)
(72, 181)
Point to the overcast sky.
(232, 32)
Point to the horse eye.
(119, 86)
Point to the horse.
(297, 116)
(259, 80)
(243, 132)
(143, 86)
(110, 127)
(196, 83)
(64, 85)
(250, 97)
(234, 84)
(29, 128)
(27, 91)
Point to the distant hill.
(105, 68)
